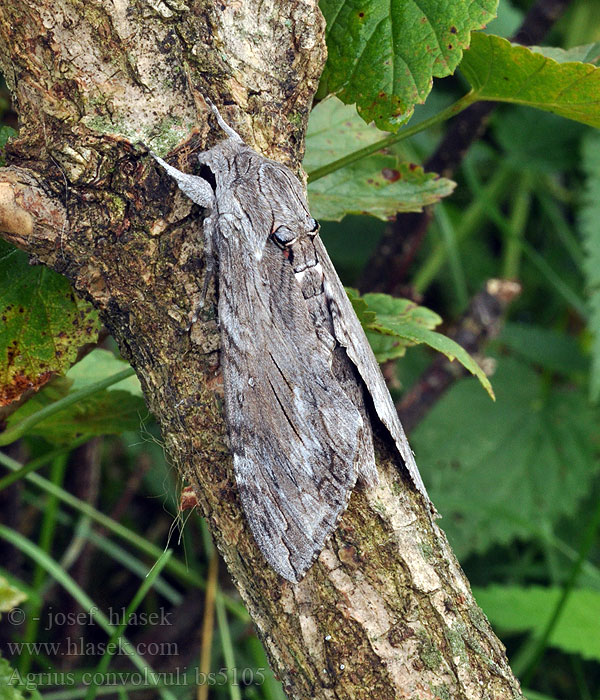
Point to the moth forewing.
(294, 358)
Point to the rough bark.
(386, 611)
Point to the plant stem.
(228, 653)
(208, 623)
(517, 223)
(86, 603)
(493, 212)
(116, 639)
(38, 462)
(471, 222)
(561, 227)
(448, 232)
(454, 109)
(18, 430)
(48, 526)
(586, 544)
(176, 567)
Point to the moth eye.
(314, 226)
(284, 237)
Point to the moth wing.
(351, 335)
(294, 433)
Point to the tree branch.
(386, 610)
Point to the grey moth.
(298, 371)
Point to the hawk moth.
(296, 362)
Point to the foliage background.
(516, 480)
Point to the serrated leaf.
(361, 308)
(495, 470)
(505, 72)
(538, 140)
(517, 609)
(111, 411)
(383, 56)
(43, 324)
(12, 685)
(413, 325)
(334, 130)
(393, 324)
(544, 347)
(10, 596)
(6, 132)
(379, 185)
(589, 216)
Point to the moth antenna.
(196, 188)
(222, 123)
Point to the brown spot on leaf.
(453, 29)
(390, 174)
(21, 383)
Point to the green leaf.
(12, 686)
(111, 411)
(43, 324)
(536, 140)
(383, 56)
(413, 324)
(589, 216)
(387, 344)
(499, 70)
(400, 323)
(588, 53)
(517, 609)
(10, 596)
(335, 130)
(544, 347)
(6, 132)
(379, 185)
(496, 470)
(361, 309)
